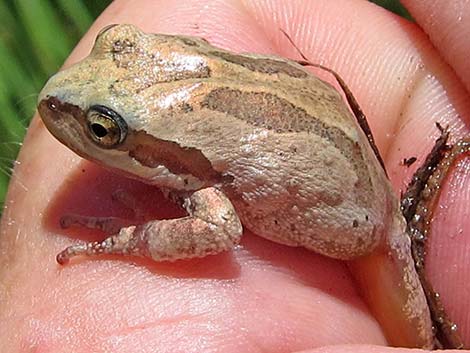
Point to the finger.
(121, 305)
(446, 24)
(447, 258)
(404, 88)
(448, 263)
(364, 349)
(214, 28)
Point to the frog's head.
(98, 108)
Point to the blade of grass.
(15, 79)
(4, 179)
(47, 35)
(394, 6)
(77, 13)
(17, 43)
(35, 38)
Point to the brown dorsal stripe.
(265, 66)
(152, 152)
(271, 112)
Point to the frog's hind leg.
(212, 226)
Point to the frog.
(240, 141)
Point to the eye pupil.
(99, 130)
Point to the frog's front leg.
(212, 226)
(108, 225)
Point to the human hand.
(263, 296)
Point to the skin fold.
(262, 296)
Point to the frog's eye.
(106, 127)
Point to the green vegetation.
(35, 38)
(394, 6)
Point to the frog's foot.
(109, 225)
(211, 227)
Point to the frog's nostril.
(51, 104)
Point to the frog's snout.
(53, 109)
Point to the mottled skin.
(256, 132)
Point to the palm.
(262, 296)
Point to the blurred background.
(27, 59)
